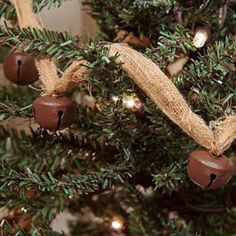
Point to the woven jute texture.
(148, 77)
(24, 13)
(75, 74)
(167, 97)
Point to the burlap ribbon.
(148, 77)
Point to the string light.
(117, 223)
(2, 222)
(23, 209)
(115, 98)
(130, 102)
(201, 36)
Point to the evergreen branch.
(131, 145)
(10, 105)
(60, 46)
(206, 81)
(153, 3)
(143, 18)
(40, 4)
(13, 230)
(70, 184)
(171, 178)
(36, 38)
(8, 12)
(139, 219)
(147, 18)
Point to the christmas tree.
(130, 131)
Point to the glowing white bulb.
(115, 98)
(116, 224)
(200, 39)
(129, 103)
(23, 209)
(2, 222)
(201, 36)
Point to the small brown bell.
(209, 171)
(54, 113)
(20, 68)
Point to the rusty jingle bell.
(54, 113)
(20, 68)
(209, 171)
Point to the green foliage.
(8, 229)
(140, 17)
(111, 150)
(57, 175)
(171, 177)
(46, 182)
(3, 52)
(10, 104)
(45, 170)
(207, 81)
(46, 42)
(62, 47)
(148, 18)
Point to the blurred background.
(71, 17)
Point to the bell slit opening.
(212, 180)
(60, 115)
